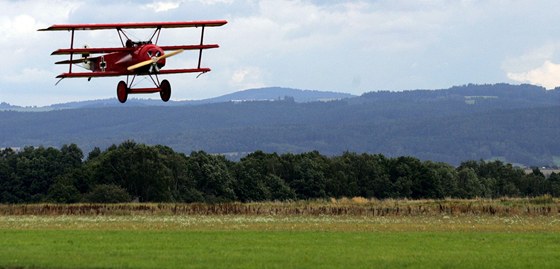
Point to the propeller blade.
(154, 60)
(140, 64)
(170, 54)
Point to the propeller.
(154, 59)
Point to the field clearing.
(430, 235)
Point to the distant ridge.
(259, 94)
(513, 123)
(277, 93)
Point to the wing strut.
(120, 36)
(120, 31)
(157, 31)
(200, 51)
(71, 54)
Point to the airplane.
(134, 58)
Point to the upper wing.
(190, 47)
(133, 25)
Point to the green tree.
(35, 170)
(409, 178)
(305, 174)
(278, 188)
(554, 181)
(63, 192)
(212, 176)
(506, 177)
(94, 153)
(138, 168)
(107, 193)
(182, 185)
(447, 176)
(534, 184)
(71, 155)
(257, 178)
(469, 186)
(7, 181)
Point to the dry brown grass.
(357, 206)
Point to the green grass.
(276, 249)
(278, 242)
(339, 233)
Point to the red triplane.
(134, 58)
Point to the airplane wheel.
(122, 91)
(165, 92)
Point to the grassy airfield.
(357, 233)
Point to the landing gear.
(122, 91)
(165, 90)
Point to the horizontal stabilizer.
(90, 50)
(75, 61)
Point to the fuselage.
(120, 61)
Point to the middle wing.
(121, 49)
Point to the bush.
(63, 193)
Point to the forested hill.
(518, 124)
(259, 94)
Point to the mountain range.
(513, 123)
(259, 94)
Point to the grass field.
(152, 238)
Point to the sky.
(344, 46)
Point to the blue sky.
(345, 46)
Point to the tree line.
(138, 172)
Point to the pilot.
(129, 43)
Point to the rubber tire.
(165, 92)
(122, 91)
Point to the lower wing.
(116, 74)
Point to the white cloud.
(532, 58)
(161, 6)
(301, 25)
(248, 77)
(213, 2)
(27, 75)
(547, 75)
(27, 61)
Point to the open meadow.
(344, 233)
